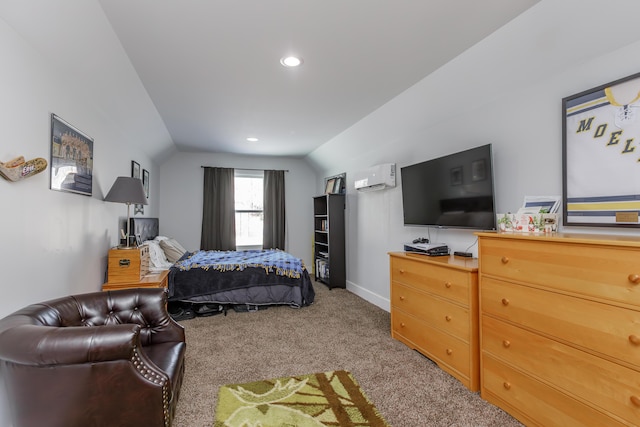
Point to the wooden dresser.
(434, 309)
(560, 328)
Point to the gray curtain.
(274, 211)
(218, 210)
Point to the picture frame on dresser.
(600, 134)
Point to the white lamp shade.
(127, 190)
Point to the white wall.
(506, 90)
(181, 185)
(62, 57)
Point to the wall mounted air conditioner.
(376, 177)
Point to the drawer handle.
(447, 318)
(449, 351)
(401, 271)
(634, 339)
(506, 385)
(402, 324)
(447, 284)
(401, 297)
(124, 262)
(504, 259)
(634, 278)
(506, 343)
(635, 400)
(505, 301)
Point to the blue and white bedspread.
(271, 260)
(202, 275)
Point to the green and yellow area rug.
(324, 399)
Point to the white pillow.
(157, 256)
(172, 249)
(175, 244)
(160, 238)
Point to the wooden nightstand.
(153, 280)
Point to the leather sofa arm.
(37, 345)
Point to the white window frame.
(249, 173)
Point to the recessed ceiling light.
(291, 61)
(252, 139)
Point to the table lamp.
(130, 191)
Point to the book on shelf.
(322, 269)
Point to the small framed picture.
(328, 189)
(145, 182)
(135, 169)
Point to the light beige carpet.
(340, 331)
(314, 400)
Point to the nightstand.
(128, 265)
(153, 280)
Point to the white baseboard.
(367, 295)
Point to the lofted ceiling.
(212, 68)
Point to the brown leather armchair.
(111, 358)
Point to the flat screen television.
(453, 191)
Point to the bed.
(250, 279)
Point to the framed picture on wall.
(601, 155)
(135, 169)
(135, 173)
(71, 158)
(145, 182)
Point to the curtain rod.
(245, 169)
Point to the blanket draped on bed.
(205, 272)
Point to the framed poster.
(601, 156)
(71, 158)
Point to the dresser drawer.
(433, 343)
(602, 328)
(440, 313)
(602, 383)
(446, 282)
(597, 271)
(524, 397)
(127, 265)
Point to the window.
(249, 207)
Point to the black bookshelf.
(329, 237)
